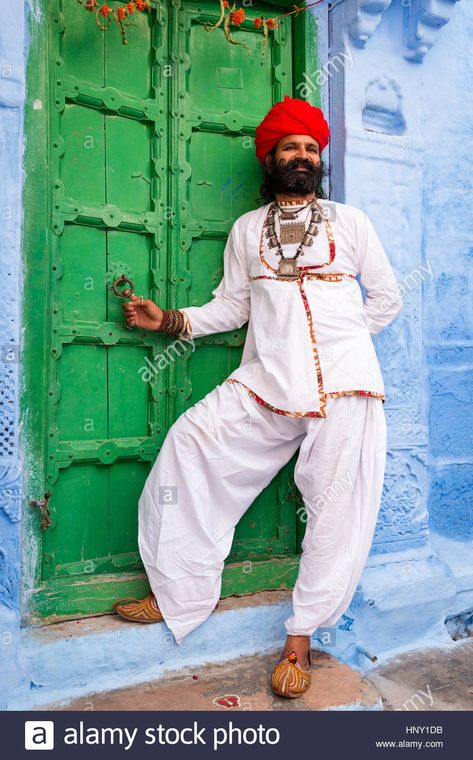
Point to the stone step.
(242, 684)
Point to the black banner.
(234, 734)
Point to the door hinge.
(43, 506)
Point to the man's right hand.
(142, 313)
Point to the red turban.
(290, 117)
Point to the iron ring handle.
(126, 292)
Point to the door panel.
(148, 173)
(128, 165)
(81, 288)
(82, 134)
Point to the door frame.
(38, 599)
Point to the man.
(309, 378)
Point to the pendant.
(288, 269)
(292, 233)
(285, 215)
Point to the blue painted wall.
(11, 155)
(448, 301)
(401, 113)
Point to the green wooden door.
(151, 159)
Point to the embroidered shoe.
(139, 610)
(289, 679)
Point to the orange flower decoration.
(257, 22)
(90, 5)
(225, 3)
(130, 7)
(237, 17)
(270, 23)
(121, 12)
(140, 5)
(105, 10)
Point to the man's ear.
(268, 161)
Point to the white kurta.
(308, 342)
(308, 339)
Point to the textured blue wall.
(11, 155)
(402, 123)
(448, 301)
(401, 113)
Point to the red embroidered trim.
(328, 276)
(273, 408)
(336, 394)
(333, 394)
(322, 397)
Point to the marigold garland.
(119, 15)
(232, 17)
(236, 16)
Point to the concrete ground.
(431, 680)
(240, 685)
(428, 679)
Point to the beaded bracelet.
(172, 322)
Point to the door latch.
(43, 507)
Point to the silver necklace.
(288, 266)
(293, 231)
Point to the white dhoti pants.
(215, 460)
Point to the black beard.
(285, 179)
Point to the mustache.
(295, 163)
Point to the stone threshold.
(239, 685)
(73, 658)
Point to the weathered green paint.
(147, 169)
(70, 598)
